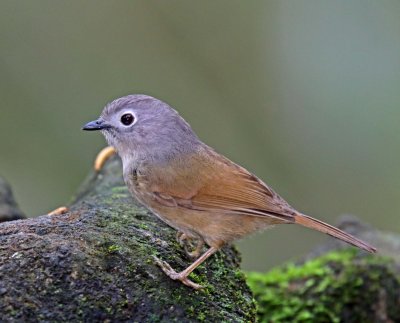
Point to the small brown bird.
(200, 193)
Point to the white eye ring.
(127, 119)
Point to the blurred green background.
(305, 94)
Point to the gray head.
(143, 127)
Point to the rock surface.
(95, 263)
(8, 207)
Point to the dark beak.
(96, 125)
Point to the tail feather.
(315, 224)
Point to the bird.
(205, 196)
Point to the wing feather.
(224, 187)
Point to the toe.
(194, 254)
(180, 238)
(165, 267)
(192, 284)
(171, 273)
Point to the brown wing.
(208, 181)
(213, 183)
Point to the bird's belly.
(216, 229)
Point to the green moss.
(199, 279)
(143, 226)
(201, 317)
(123, 240)
(113, 248)
(96, 264)
(119, 190)
(339, 286)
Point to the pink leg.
(183, 275)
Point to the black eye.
(127, 119)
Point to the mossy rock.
(341, 286)
(95, 264)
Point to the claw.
(195, 253)
(180, 238)
(171, 273)
(166, 267)
(192, 246)
(189, 283)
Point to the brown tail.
(315, 224)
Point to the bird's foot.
(171, 273)
(58, 211)
(180, 238)
(192, 246)
(196, 252)
(102, 157)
